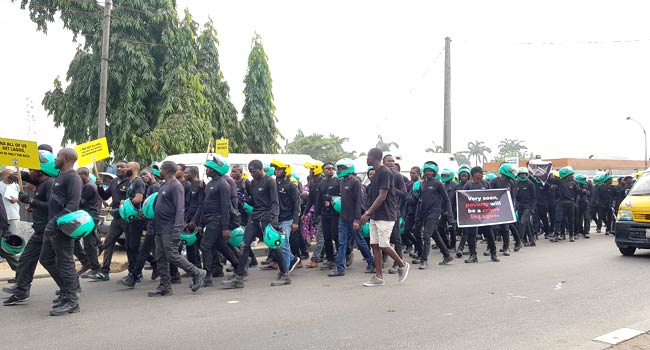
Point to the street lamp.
(645, 138)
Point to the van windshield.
(642, 186)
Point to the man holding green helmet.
(289, 209)
(351, 208)
(214, 215)
(58, 248)
(168, 223)
(264, 199)
(43, 180)
(507, 180)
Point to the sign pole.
(20, 178)
(207, 151)
(95, 167)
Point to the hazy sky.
(561, 75)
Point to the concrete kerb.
(261, 250)
(642, 326)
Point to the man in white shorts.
(382, 213)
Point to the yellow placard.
(94, 150)
(222, 147)
(19, 153)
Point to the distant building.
(589, 167)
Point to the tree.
(166, 92)
(477, 150)
(435, 148)
(511, 148)
(461, 157)
(385, 146)
(259, 111)
(319, 147)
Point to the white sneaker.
(403, 272)
(374, 281)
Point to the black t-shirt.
(383, 180)
(116, 191)
(263, 196)
(433, 200)
(351, 198)
(170, 208)
(65, 195)
(136, 186)
(40, 206)
(90, 200)
(216, 203)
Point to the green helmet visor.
(341, 173)
(522, 178)
(447, 175)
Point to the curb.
(259, 251)
(642, 326)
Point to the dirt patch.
(641, 342)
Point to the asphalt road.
(553, 296)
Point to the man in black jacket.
(325, 214)
(526, 204)
(91, 203)
(606, 202)
(568, 192)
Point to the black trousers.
(526, 225)
(552, 213)
(298, 243)
(472, 236)
(605, 215)
(396, 238)
(330, 234)
(11, 259)
(542, 216)
(564, 211)
(595, 217)
(115, 230)
(87, 254)
(505, 230)
(431, 230)
(253, 229)
(166, 253)
(145, 254)
(214, 243)
(447, 232)
(584, 218)
(133, 238)
(57, 257)
(413, 233)
(28, 262)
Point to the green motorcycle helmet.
(248, 208)
(268, 169)
(93, 178)
(128, 212)
(522, 171)
(508, 170)
(347, 164)
(218, 164)
(401, 226)
(76, 224)
(189, 238)
(273, 238)
(581, 179)
(447, 175)
(365, 229)
(417, 185)
(598, 180)
(47, 161)
(13, 244)
(464, 170)
(605, 177)
(149, 205)
(431, 166)
(566, 171)
(295, 177)
(236, 237)
(155, 169)
(490, 176)
(336, 204)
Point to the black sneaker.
(517, 247)
(154, 274)
(16, 299)
(99, 276)
(506, 252)
(572, 238)
(424, 265)
(586, 235)
(370, 269)
(283, 280)
(486, 253)
(83, 270)
(414, 255)
(66, 308)
(234, 281)
(349, 259)
(472, 259)
(328, 266)
(459, 254)
(12, 280)
(176, 279)
(197, 280)
(127, 281)
(446, 260)
(294, 263)
(10, 290)
(494, 258)
(416, 261)
(217, 274)
(336, 273)
(160, 292)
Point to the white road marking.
(559, 285)
(233, 302)
(618, 336)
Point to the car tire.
(627, 251)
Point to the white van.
(198, 159)
(444, 161)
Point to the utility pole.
(103, 76)
(446, 143)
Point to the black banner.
(484, 207)
(541, 169)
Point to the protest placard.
(484, 207)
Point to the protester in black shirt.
(477, 183)
(91, 203)
(400, 194)
(325, 215)
(38, 205)
(58, 248)
(169, 221)
(568, 192)
(135, 191)
(117, 193)
(526, 204)
(264, 200)
(382, 213)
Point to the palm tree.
(461, 157)
(508, 146)
(435, 148)
(477, 150)
(385, 146)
